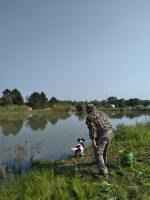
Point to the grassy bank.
(25, 109)
(134, 109)
(63, 107)
(59, 107)
(13, 108)
(73, 178)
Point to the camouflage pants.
(101, 155)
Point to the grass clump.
(73, 178)
(63, 107)
(42, 111)
(14, 108)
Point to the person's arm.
(94, 144)
(92, 131)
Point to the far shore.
(14, 109)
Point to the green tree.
(53, 100)
(112, 100)
(11, 97)
(103, 103)
(37, 100)
(146, 103)
(6, 98)
(133, 102)
(44, 99)
(6, 92)
(120, 103)
(95, 103)
(17, 97)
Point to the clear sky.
(76, 49)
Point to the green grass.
(23, 109)
(73, 178)
(63, 107)
(112, 109)
(14, 108)
(43, 111)
(133, 109)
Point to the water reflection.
(37, 122)
(13, 124)
(53, 118)
(136, 114)
(130, 115)
(51, 141)
(11, 127)
(81, 115)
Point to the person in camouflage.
(100, 132)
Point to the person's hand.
(94, 144)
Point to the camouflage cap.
(90, 108)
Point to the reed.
(63, 107)
(14, 108)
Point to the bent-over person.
(100, 132)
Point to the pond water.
(48, 136)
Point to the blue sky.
(76, 49)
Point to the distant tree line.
(39, 100)
(121, 103)
(36, 100)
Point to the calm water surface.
(48, 137)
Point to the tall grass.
(63, 107)
(14, 108)
(139, 134)
(45, 185)
(132, 109)
(59, 107)
(42, 111)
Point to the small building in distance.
(112, 105)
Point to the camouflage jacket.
(99, 125)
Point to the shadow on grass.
(60, 167)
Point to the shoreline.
(51, 110)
